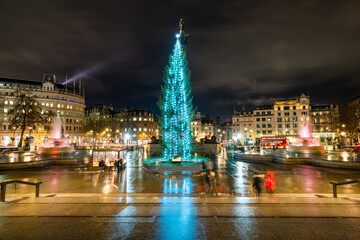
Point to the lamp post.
(127, 138)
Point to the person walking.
(269, 181)
(116, 165)
(212, 178)
(121, 163)
(231, 183)
(257, 185)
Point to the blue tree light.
(175, 103)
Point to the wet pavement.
(76, 203)
(230, 169)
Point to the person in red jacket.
(269, 181)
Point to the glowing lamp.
(177, 35)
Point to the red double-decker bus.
(273, 142)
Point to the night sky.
(244, 52)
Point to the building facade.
(66, 101)
(284, 119)
(127, 125)
(202, 127)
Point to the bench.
(6, 182)
(335, 184)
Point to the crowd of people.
(118, 165)
(210, 179)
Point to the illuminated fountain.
(56, 145)
(306, 143)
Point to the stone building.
(243, 127)
(202, 127)
(125, 125)
(67, 101)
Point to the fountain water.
(57, 144)
(305, 143)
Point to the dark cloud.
(240, 51)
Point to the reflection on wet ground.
(346, 156)
(14, 157)
(230, 171)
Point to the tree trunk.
(21, 137)
(23, 128)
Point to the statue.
(181, 26)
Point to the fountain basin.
(56, 150)
(159, 164)
(306, 149)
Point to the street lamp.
(127, 137)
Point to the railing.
(335, 184)
(6, 182)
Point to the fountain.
(306, 143)
(56, 145)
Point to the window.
(258, 119)
(287, 108)
(294, 119)
(263, 119)
(258, 125)
(287, 125)
(278, 108)
(279, 119)
(279, 125)
(294, 125)
(294, 113)
(263, 113)
(303, 107)
(287, 114)
(269, 125)
(287, 119)
(279, 114)
(263, 132)
(270, 132)
(5, 110)
(294, 107)
(269, 119)
(258, 132)
(268, 112)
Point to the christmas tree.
(175, 103)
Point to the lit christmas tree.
(175, 103)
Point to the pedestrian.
(116, 165)
(206, 181)
(212, 178)
(231, 182)
(121, 163)
(269, 181)
(101, 164)
(257, 185)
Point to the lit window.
(5, 110)
(134, 119)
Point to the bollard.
(334, 190)
(3, 190)
(37, 190)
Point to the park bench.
(335, 184)
(6, 182)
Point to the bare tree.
(95, 126)
(27, 113)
